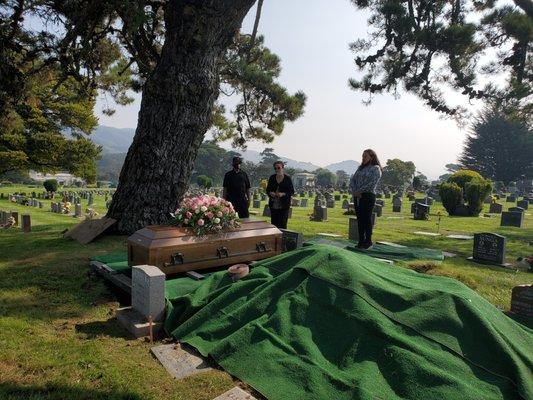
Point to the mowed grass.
(59, 338)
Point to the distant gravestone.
(263, 197)
(3, 217)
(77, 211)
(330, 203)
(379, 196)
(523, 204)
(380, 202)
(510, 199)
(510, 218)
(148, 291)
(429, 201)
(522, 300)
(304, 202)
(421, 212)
(337, 197)
(295, 202)
(378, 209)
(495, 208)
(266, 211)
(257, 204)
(489, 248)
(516, 209)
(387, 195)
(345, 204)
(397, 204)
(290, 240)
(353, 229)
(25, 223)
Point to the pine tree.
(498, 148)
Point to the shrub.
(475, 193)
(50, 185)
(463, 176)
(451, 195)
(204, 181)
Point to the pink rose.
(219, 214)
(209, 215)
(188, 214)
(201, 222)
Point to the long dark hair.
(374, 160)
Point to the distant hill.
(116, 141)
(113, 140)
(348, 166)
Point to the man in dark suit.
(237, 188)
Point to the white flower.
(197, 211)
(203, 208)
(217, 220)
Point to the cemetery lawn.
(59, 338)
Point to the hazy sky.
(312, 37)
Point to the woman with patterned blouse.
(363, 186)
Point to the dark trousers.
(364, 207)
(242, 208)
(279, 218)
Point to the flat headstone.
(448, 254)
(180, 362)
(426, 233)
(390, 244)
(235, 394)
(148, 291)
(256, 204)
(304, 202)
(461, 237)
(331, 235)
(395, 218)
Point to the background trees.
(398, 173)
(427, 47)
(498, 147)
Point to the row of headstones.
(61, 208)
(25, 219)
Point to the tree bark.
(176, 108)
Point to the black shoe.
(367, 245)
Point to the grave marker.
(523, 204)
(291, 240)
(25, 223)
(495, 208)
(522, 300)
(489, 248)
(510, 218)
(148, 291)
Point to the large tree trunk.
(176, 108)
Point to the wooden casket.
(175, 250)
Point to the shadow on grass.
(45, 276)
(109, 328)
(12, 391)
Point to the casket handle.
(222, 252)
(261, 247)
(175, 259)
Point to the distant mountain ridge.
(118, 140)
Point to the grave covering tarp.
(327, 323)
(385, 251)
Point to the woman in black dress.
(280, 191)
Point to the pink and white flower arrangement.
(206, 214)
